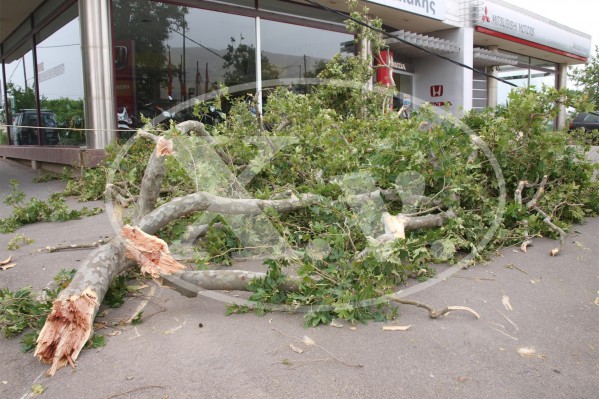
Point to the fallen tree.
(346, 199)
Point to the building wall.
(455, 80)
(190, 68)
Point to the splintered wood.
(67, 329)
(164, 147)
(150, 252)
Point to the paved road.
(244, 356)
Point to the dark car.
(585, 120)
(24, 131)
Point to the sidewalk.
(187, 348)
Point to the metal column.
(561, 79)
(98, 79)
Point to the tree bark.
(151, 182)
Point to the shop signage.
(429, 8)
(518, 24)
(50, 73)
(403, 66)
(436, 90)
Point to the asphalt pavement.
(537, 336)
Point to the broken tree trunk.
(69, 324)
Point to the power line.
(199, 44)
(389, 35)
(60, 45)
(15, 70)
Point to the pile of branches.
(346, 199)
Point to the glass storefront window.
(529, 72)
(21, 105)
(60, 81)
(166, 54)
(293, 51)
(3, 116)
(218, 49)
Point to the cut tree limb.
(397, 225)
(533, 204)
(153, 177)
(202, 201)
(69, 247)
(433, 314)
(199, 129)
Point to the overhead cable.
(392, 36)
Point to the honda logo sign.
(436, 90)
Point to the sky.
(578, 14)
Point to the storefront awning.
(441, 46)
(483, 58)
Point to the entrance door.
(404, 86)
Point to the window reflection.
(3, 116)
(293, 51)
(60, 81)
(165, 54)
(21, 100)
(529, 72)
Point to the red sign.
(486, 16)
(436, 90)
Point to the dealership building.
(76, 65)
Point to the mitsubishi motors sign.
(519, 24)
(429, 8)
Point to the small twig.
(509, 321)
(533, 202)
(147, 135)
(475, 278)
(512, 266)
(424, 211)
(533, 205)
(320, 347)
(67, 247)
(121, 195)
(433, 314)
(472, 157)
(518, 192)
(302, 363)
(504, 333)
(283, 125)
(136, 390)
(549, 223)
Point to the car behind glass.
(585, 120)
(24, 131)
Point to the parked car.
(586, 120)
(24, 132)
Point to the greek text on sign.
(429, 8)
(51, 73)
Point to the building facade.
(75, 72)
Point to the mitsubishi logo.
(486, 16)
(436, 90)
